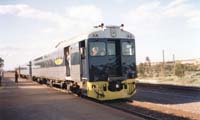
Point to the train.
(100, 64)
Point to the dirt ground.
(190, 79)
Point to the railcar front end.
(112, 68)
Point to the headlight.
(117, 85)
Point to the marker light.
(101, 25)
(122, 25)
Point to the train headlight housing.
(117, 85)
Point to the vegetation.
(160, 70)
(141, 69)
(187, 74)
(179, 70)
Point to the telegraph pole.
(174, 62)
(163, 66)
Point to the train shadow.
(127, 106)
(166, 95)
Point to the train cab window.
(111, 50)
(127, 48)
(97, 49)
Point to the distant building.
(188, 61)
(198, 61)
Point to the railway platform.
(27, 100)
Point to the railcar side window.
(127, 48)
(97, 49)
(111, 50)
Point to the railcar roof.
(107, 32)
(114, 32)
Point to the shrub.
(179, 70)
(141, 69)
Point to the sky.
(30, 28)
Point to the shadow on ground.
(166, 95)
(124, 106)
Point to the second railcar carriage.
(100, 64)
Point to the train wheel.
(39, 80)
(75, 88)
(79, 93)
(63, 86)
(51, 83)
(44, 81)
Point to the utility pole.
(163, 65)
(174, 63)
(163, 54)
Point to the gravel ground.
(183, 103)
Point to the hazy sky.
(30, 28)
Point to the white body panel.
(24, 72)
(56, 73)
(24, 69)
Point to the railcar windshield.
(111, 59)
(97, 49)
(127, 48)
(111, 49)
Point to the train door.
(114, 58)
(83, 60)
(67, 60)
(83, 67)
(75, 62)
